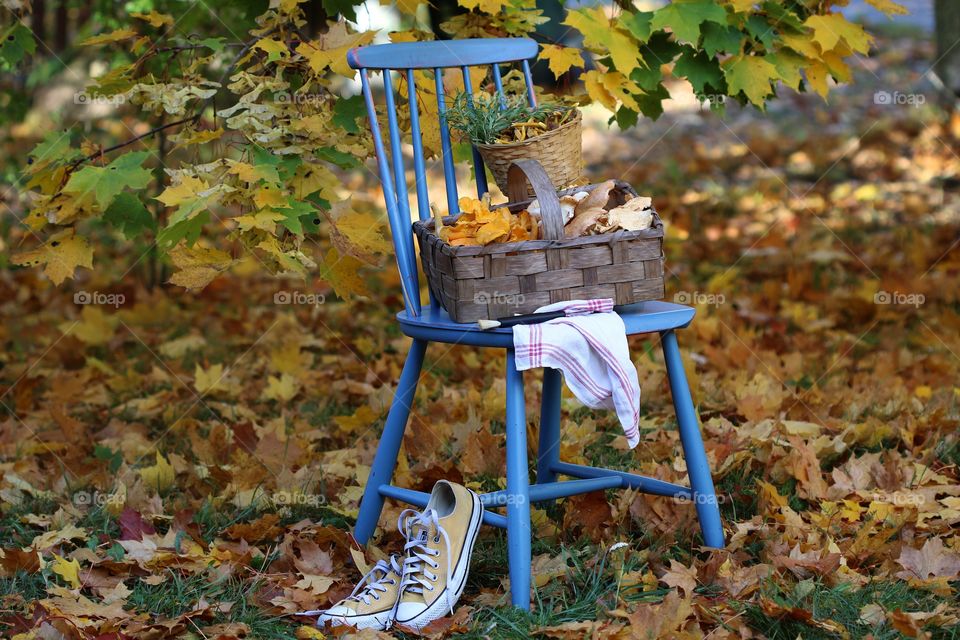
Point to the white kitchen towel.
(589, 347)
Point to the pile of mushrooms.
(584, 213)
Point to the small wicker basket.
(558, 151)
(497, 280)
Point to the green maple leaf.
(128, 214)
(292, 215)
(684, 17)
(717, 38)
(16, 43)
(638, 24)
(188, 229)
(339, 158)
(752, 75)
(701, 70)
(345, 8)
(105, 183)
(346, 111)
(54, 149)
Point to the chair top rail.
(435, 54)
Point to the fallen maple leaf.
(933, 560)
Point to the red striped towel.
(590, 347)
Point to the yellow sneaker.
(439, 543)
(372, 603)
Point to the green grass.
(28, 586)
(841, 604)
(585, 593)
(178, 595)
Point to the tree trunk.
(948, 48)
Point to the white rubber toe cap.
(408, 611)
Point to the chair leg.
(518, 489)
(705, 500)
(548, 450)
(385, 460)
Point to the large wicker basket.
(557, 150)
(498, 280)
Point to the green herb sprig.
(484, 117)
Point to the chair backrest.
(405, 58)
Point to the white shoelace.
(372, 584)
(417, 575)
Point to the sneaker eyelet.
(436, 539)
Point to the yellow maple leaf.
(270, 196)
(362, 230)
(197, 266)
(94, 328)
(492, 7)
(330, 50)
(307, 632)
(207, 380)
(198, 137)
(106, 38)
(281, 389)
(593, 81)
(315, 178)
(266, 220)
(187, 189)
(154, 18)
(560, 59)
(407, 7)
(802, 45)
(752, 75)
(889, 7)
(817, 76)
(600, 35)
(61, 255)
(273, 47)
(742, 6)
(830, 30)
(159, 476)
(342, 272)
(69, 570)
(250, 173)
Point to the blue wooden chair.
(430, 323)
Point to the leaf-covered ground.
(189, 465)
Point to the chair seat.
(435, 324)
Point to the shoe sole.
(440, 604)
(378, 621)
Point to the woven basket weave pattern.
(558, 151)
(498, 280)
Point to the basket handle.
(528, 170)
